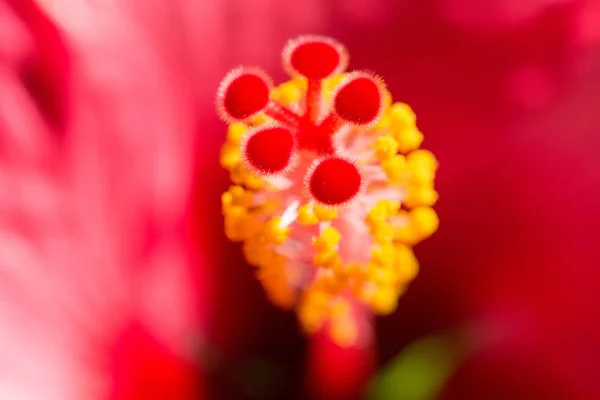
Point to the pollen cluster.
(330, 189)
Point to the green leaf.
(419, 372)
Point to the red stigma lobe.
(334, 181)
(269, 150)
(303, 60)
(359, 100)
(243, 94)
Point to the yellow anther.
(408, 139)
(420, 195)
(423, 158)
(340, 307)
(239, 225)
(420, 169)
(425, 221)
(235, 132)
(357, 272)
(325, 214)
(383, 275)
(283, 297)
(330, 284)
(381, 211)
(384, 300)
(376, 216)
(406, 263)
(252, 181)
(274, 232)
(238, 173)
(277, 286)
(260, 119)
(364, 290)
(383, 254)
(385, 122)
(404, 232)
(402, 116)
(343, 330)
(383, 233)
(257, 252)
(386, 147)
(330, 84)
(301, 82)
(236, 196)
(288, 93)
(327, 259)
(391, 207)
(230, 156)
(306, 215)
(395, 168)
(316, 298)
(311, 318)
(341, 271)
(329, 238)
(232, 210)
(241, 196)
(387, 99)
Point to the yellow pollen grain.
(330, 84)
(384, 123)
(325, 214)
(239, 224)
(394, 168)
(381, 211)
(406, 263)
(386, 147)
(383, 275)
(383, 232)
(408, 139)
(311, 318)
(274, 232)
(402, 116)
(421, 167)
(329, 238)
(327, 259)
(343, 330)
(260, 119)
(277, 287)
(237, 196)
(420, 195)
(423, 158)
(382, 254)
(384, 300)
(229, 156)
(306, 215)
(425, 221)
(288, 93)
(340, 307)
(235, 133)
(252, 181)
(387, 99)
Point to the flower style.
(331, 190)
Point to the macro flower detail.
(331, 190)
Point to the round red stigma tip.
(334, 181)
(359, 100)
(269, 150)
(314, 57)
(245, 95)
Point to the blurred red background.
(113, 252)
